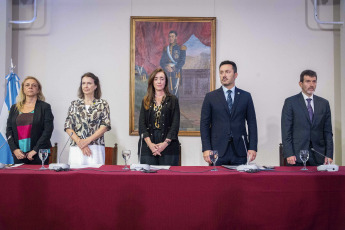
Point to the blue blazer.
(299, 133)
(218, 126)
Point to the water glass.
(43, 155)
(304, 155)
(214, 158)
(126, 154)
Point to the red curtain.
(152, 37)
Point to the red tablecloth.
(284, 199)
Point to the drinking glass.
(43, 154)
(304, 155)
(214, 158)
(126, 154)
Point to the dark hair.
(173, 32)
(307, 72)
(98, 92)
(234, 66)
(150, 95)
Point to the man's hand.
(251, 155)
(169, 68)
(291, 160)
(328, 160)
(206, 155)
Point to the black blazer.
(299, 133)
(218, 126)
(41, 131)
(170, 124)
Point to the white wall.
(271, 42)
(5, 43)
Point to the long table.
(185, 197)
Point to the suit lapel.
(222, 99)
(303, 106)
(237, 99)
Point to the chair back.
(111, 155)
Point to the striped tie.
(310, 109)
(229, 100)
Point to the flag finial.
(12, 66)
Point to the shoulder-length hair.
(21, 98)
(150, 95)
(97, 93)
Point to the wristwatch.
(167, 141)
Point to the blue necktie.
(229, 100)
(310, 109)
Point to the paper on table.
(85, 166)
(15, 165)
(157, 167)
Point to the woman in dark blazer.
(29, 124)
(159, 123)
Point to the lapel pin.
(238, 92)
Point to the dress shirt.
(311, 102)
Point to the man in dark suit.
(306, 123)
(224, 114)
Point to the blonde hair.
(21, 98)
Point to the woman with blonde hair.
(30, 123)
(159, 122)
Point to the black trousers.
(230, 157)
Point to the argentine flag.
(12, 92)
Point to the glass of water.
(126, 154)
(214, 158)
(43, 155)
(304, 155)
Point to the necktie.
(310, 109)
(229, 100)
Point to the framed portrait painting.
(185, 47)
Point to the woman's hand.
(31, 154)
(86, 151)
(161, 147)
(82, 143)
(19, 154)
(153, 148)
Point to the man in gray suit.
(306, 124)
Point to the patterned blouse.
(85, 122)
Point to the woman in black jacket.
(159, 123)
(29, 124)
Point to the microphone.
(245, 147)
(328, 167)
(61, 166)
(247, 167)
(141, 145)
(2, 165)
(139, 167)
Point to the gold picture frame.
(194, 52)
